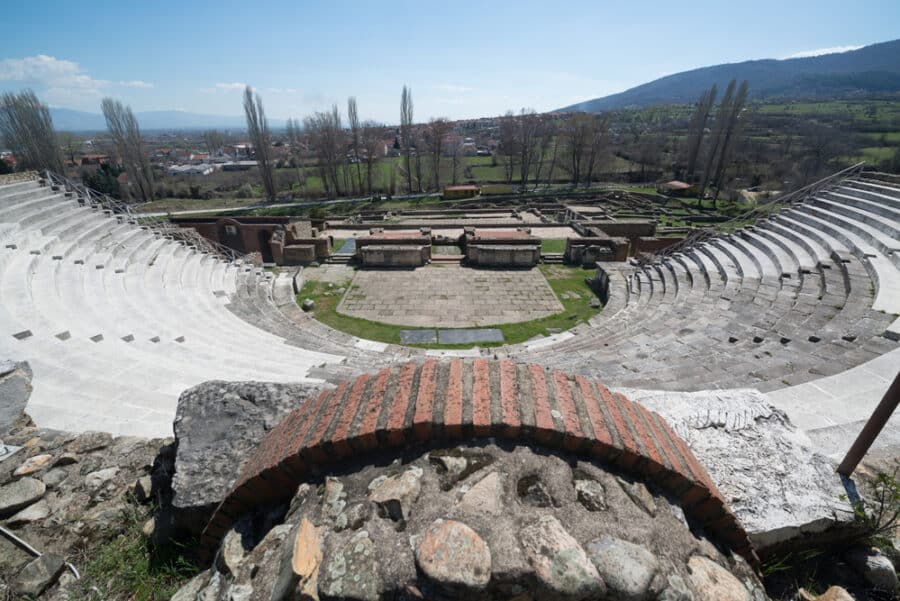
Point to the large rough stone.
(32, 513)
(453, 556)
(874, 567)
(714, 583)
(626, 568)
(20, 494)
(38, 575)
(676, 589)
(775, 482)
(32, 464)
(231, 552)
(142, 489)
(15, 388)
(307, 554)
(395, 495)
(300, 565)
(354, 517)
(640, 495)
(454, 466)
(590, 494)
(834, 593)
(100, 478)
(54, 477)
(88, 442)
(352, 571)
(484, 497)
(333, 500)
(532, 491)
(217, 426)
(191, 590)
(560, 564)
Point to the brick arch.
(442, 401)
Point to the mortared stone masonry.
(440, 401)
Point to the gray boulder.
(627, 569)
(217, 426)
(560, 564)
(877, 569)
(20, 494)
(15, 388)
(38, 575)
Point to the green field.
(553, 245)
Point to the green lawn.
(190, 204)
(562, 279)
(553, 245)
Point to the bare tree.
(126, 136)
(261, 138)
(597, 147)
(529, 145)
(406, 120)
(455, 162)
(327, 139)
(697, 129)
(69, 144)
(371, 143)
(585, 139)
(434, 137)
(353, 119)
(552, 136)
(509, 144)
(542, 145)
(732, 130)
(27, 129)
(417, 146)
(212, 140)
(718, 137)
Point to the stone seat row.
(794, 293)
(116, 320)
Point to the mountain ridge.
(65, 119)
(868, 70)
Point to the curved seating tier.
(805, 294)
(810, 292)
(117, 320)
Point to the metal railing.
(767, 209)
(188, 236)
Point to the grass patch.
(568, 283)
(191, 204)
(124, 567)
(553, 245)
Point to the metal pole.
(873, 427)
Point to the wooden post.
(873, 427)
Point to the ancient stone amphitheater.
(116, 319)
(694, 379)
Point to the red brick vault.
(440, 401)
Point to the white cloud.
(136, 83)
(232, 86)
(56, 75)
(821, 51)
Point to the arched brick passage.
(438, 401)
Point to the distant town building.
(199, 169)
(94, 159)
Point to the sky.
(461, 59)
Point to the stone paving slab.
(418, 336)
(470, 336)
(449, 296)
